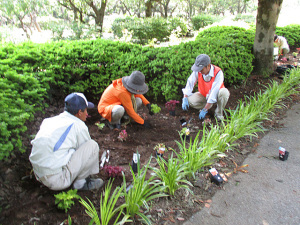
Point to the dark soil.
(23, 200)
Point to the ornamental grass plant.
(172, 173)
(194, 156)
(141, 192)
(108, 207)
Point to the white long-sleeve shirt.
(213, 93)
(282, 43)
(56, 141)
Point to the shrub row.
(203, 20)
(145, 29)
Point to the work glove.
(202, 114)
(149, 108)
(147, 125)
(185, 104)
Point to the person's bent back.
(63, 151)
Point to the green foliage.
(21, 95)
(184, 131)
(155, 108)
(141, 193)
(108, 207)
(145, 29)
(172, 173)
(64, 200)
(195, 156)
(291, 33)
(57, 29)
(203, 20)
(100, 125)
(245, 18)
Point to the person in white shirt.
(63, 152)
(211, 88)
(283, 46)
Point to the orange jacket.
(116, 94)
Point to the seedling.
(122, 135)
(160, 149)
(65, 200)
(155, 108)
(100, 125)
(295, 54)
(113, 171)
(170, 105)
(185, 133)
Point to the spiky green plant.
(172, 173)
(195, 156)
(142, 192)
(108, 207)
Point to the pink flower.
(122, 135)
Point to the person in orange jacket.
(124, 95)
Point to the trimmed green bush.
(203, 20)
(145, 29)
(245, 18)
(21, 96)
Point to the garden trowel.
(104, 158)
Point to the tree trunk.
(148, 5)
(266, 20)
(34, 22)
(99, 13)
(23, 26)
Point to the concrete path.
(270, 193)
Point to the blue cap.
(75, 102)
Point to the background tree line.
(24, 13)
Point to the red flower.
(170, 105)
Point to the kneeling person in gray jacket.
(63, 152)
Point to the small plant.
(142, 192)
(172, 173)
(155, 108)
(170, 105)
(184, 131)
(113, 171)
(122, 135)
(108, 207)
(100, 125)
(65, 200)
(160, 148)
(295, 54)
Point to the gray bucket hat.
(200, 62)
(135, 83)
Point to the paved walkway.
(270, 193)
